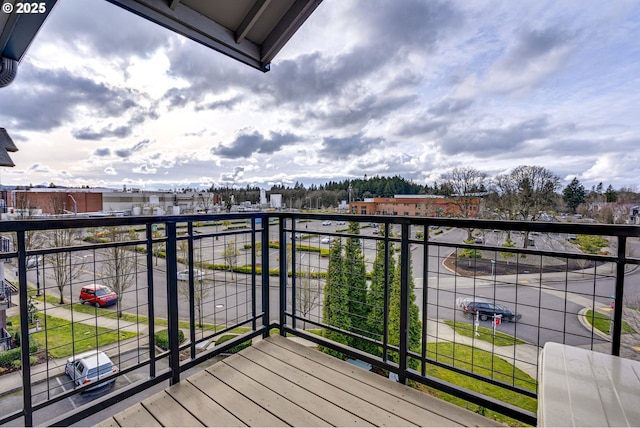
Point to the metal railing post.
(192, 291)
(617, 308)
(24, 329)
(150, 305)
(264, 242)
(253, 276)
(172, 302)
(404, 302)
(283, 274)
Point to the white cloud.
(410, 90)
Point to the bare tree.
(64, 267)
(158, 247)
(118, 266)
(200, 293)
(183, 249)
(524, 194)
(307, 296)
(205, 200)
(230, 255)
(465, 185)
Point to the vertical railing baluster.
(172, 302)
(283, 273)
(253, 270)
(425, 296)
(294, 275)
(387, 287)
(617, 309)
(151, 316)
(264, 245)
(404, 302)
(24, 329)
(192, 291)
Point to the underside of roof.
(251, 31)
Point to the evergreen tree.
(415, 327)
(336, 299)
(611, 195)
(375, 296)
(574, 194)
(356, 283)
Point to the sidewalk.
(12, 382)
(524, 357)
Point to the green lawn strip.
(64, 337)
(602, 322)
(486, 334)
(483, 363)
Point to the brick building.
(54, 201)
(418, 205)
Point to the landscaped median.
(600, 323)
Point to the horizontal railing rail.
(399, 278)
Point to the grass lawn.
(486, 364)
(65, 338)
(602, 322)
(486, 334)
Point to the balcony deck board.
(278, 382)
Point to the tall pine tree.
(376, 294)
(336, 299)
(356, 283)
(415, 327)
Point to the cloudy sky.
(410, 88)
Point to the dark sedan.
(486, 310)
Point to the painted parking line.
(73, 404)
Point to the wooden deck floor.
(278, 382)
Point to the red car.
(98, 295)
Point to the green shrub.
(8, 357)
(162, 338)
(236, 348)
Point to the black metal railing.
(385, 290)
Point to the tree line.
(522, 193)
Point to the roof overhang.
(251, 31)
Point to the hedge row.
(162, 338)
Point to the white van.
(90, 367)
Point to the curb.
(582, 318)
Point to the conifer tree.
(356, 283)
(375, 296)
(336, 299)
(415, 327)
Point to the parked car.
(486, 310)
(326, 223)
(479, 240)
(183, 275)
(90, 367)
(98, 295)
(374, 231)
(326, 240)
(297, 235)
(340, 223)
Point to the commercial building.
(418, 205)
